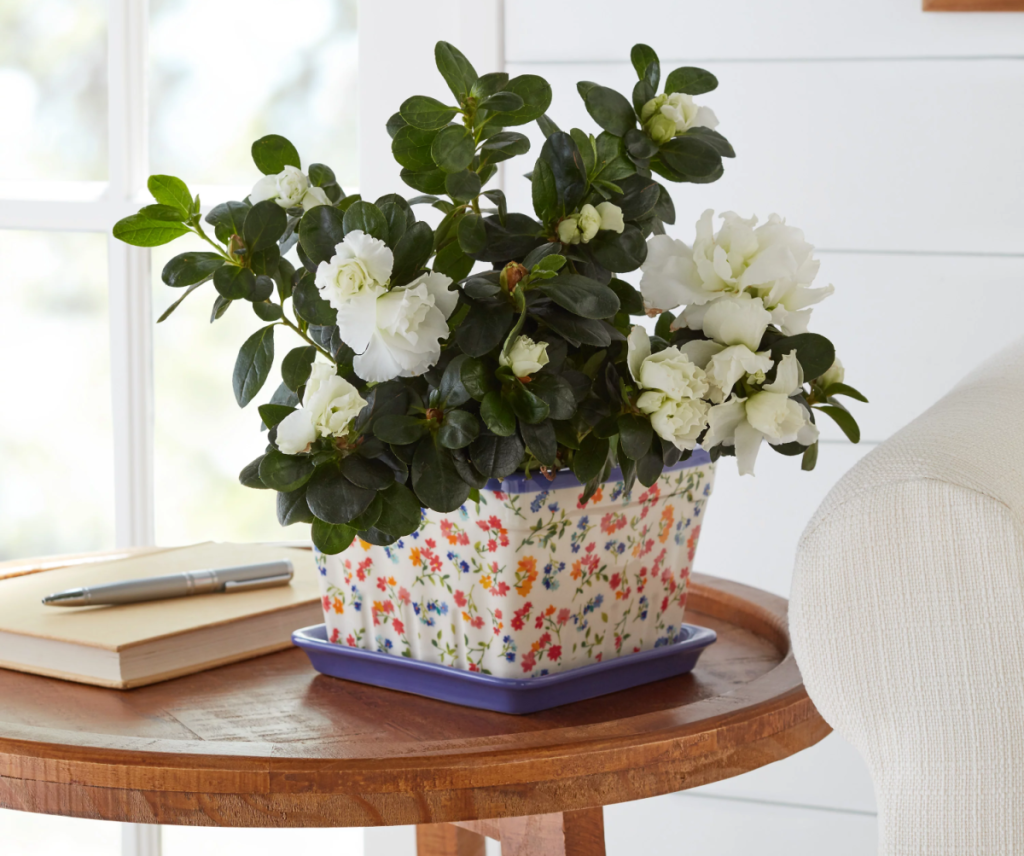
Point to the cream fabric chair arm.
(907, 619)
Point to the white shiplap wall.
(892, 137)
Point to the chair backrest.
(907, 617)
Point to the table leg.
(570, 833)
(447, 839)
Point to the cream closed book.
(136, 644)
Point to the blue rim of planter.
(518, 483)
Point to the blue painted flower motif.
(583, 523)
(553, 507)
(538, 501)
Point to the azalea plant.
(432, 359)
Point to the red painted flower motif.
(327, 603)
(528, 661)
(555, 652)
(460, 598)
(477, 622)
(563, 616)
(335, 633)
(501, 589)
(350, 640)
(403, 595)
(382, 584)
(399, 627)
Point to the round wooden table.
(269, 742)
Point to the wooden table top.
(269, 742)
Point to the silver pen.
(226, 580)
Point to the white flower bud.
(611, 217)
(569, 230)
(525, 357)
(589, 222)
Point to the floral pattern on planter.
(526, 584)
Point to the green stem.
(288, 323)
(199, 231)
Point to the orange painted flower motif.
(525, 575)
(337, 605)
(414, 556)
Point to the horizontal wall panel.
(686, 30)
(883, 155)
(680, 823)
(909, 328)
(753, 523)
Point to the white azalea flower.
(770, 414)
(588, 223)
(730, 364)
(611, 217)
(330, 404)
(525, 356)
(772, 262)
(673, 388)
(290, 189)
(357, 275)
(399, 333)
(736, 319)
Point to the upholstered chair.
(907, 617)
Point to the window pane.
(53, 88)
(226, 74)
(56, 441)
(45, 835)
(203, 439)
(208, 841)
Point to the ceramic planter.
(528, 581)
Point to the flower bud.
(660, 128)
(525, 356)
(569, 230)
(511, 275)
(652, 107)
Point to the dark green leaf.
(545, 192)
(370, 515)
(665, 210)
(250, 475)
(368, 218)
(642, 93)
(334, 499)
(556, 392)
(435, 479)
(843, 419)
(642, 56)
(843, 389)
(547, 126)
(649, 468)
(412, 252)
(263, 289)
(502, 102)
(297, 366)
(384, 399)
(498, 198)
(527, 406)
(497, 457)
(504, 146)
(252, 367)
(563, 155)
(589, 461)
(810, 458)
(484, 328)
(190, 268)
(321, 229)
(691, 156)
(639, 145)
(476, 378)
(719, 143)
(609, 109)
(285, 472)
(541, 441)
(424, 180)
(167, 312)
(234, 283)
(367, 472)
(272, 414)
(692, 81)
(399, 429)
(488, 84)
(427, 113)
(285, 396)
(292, 508)
(472, 234)
(273, 153)
(613, 164)
(574, 329)
(140, 231)
(321, 175)
(411, 148)
(462, 186)
(582, 296)
(452, 149)
(453, 391)
(330, 538)
(458, 430)
(663, 326)
(452, 262)
(401, 513)
(536, 94)
(399, 216)
(457, 71)
(227, 219)
(220, 306)
(619, 253)
(815, 353)
(635, 435)
(498, 415)
(630, 300)
(309, 305)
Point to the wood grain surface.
(973, 5)
(271, 743)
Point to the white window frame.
(386, 29)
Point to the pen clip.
(258, 583)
